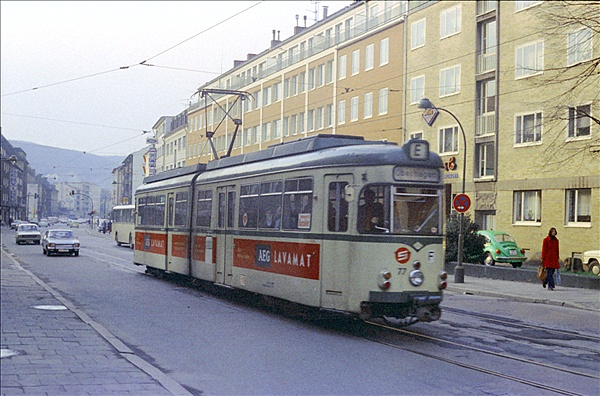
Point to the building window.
(522, 4)
(579, 46)
(417, 89)
(294, 85)
(578, 206)
(341, 113)
(276, 129)
(369, 57)
(328, 115)
(286, 88)
(384, 52)
(529, 59)
(302, 82)
(527, 206)
(448, 140)
(354, 109)
(320, 117)
(368, 105)
(311, 120)
(450, 21)
(266, 132)
(294, 124)
(486, 159)
(277, 92)
(355, 62)
(320, 75)
(528, 128)
(450, 81)
(417, 37)
(267, 92)
(579, 121)
(311, 78)
(329, 72)
(342, 67)
(383, 101)
(301, 122)
(255, 134)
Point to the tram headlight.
(384, 280)
(416, 278)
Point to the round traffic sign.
(462, 203)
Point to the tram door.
(337, 251)
(225, 223)
(169, 230)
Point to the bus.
(331, 222)
(122, 218)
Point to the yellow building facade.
(507, 76)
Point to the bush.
(473, 243)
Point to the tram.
(332, 222)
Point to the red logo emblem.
(402, 255)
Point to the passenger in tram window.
(290, 212)
(370, 214)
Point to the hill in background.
(61, 165)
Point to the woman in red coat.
(550, 257)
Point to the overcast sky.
(62, 79)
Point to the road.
(215, 345)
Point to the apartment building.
(511, 114)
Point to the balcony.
(486, 62)
(486, 124)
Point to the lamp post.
(459, 271)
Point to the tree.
(571, 80)
(472, 245)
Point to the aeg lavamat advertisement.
(294, 259)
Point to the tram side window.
(150, 210)
(142, 214)
(204, 208)
(337, 212)
(159, 210)
(297, 204)
(269, 204)
(372, 217)
(181, 200)
(248, 205)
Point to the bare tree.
(571, 80)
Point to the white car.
(591, 261)
(60, 241)
(27, 233)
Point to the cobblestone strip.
(64, 352)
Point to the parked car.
(60, 241)
(501, 248)
(591, 261)
(27, 233)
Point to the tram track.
(383, 334)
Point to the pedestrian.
(550, 257)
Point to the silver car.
(27, 233)
(60, 241)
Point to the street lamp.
(459, 271)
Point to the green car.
(501, 248)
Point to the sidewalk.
(49, 346)
(588, 299)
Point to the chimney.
(236, 63)
(275, 42)
(250, 56)
(325, 8)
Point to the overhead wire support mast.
(241, 95)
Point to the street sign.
(430, 115)
(461, 203)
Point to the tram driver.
(370, 214)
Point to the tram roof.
(300, 146)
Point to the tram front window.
(416, 210)
(385, 209)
